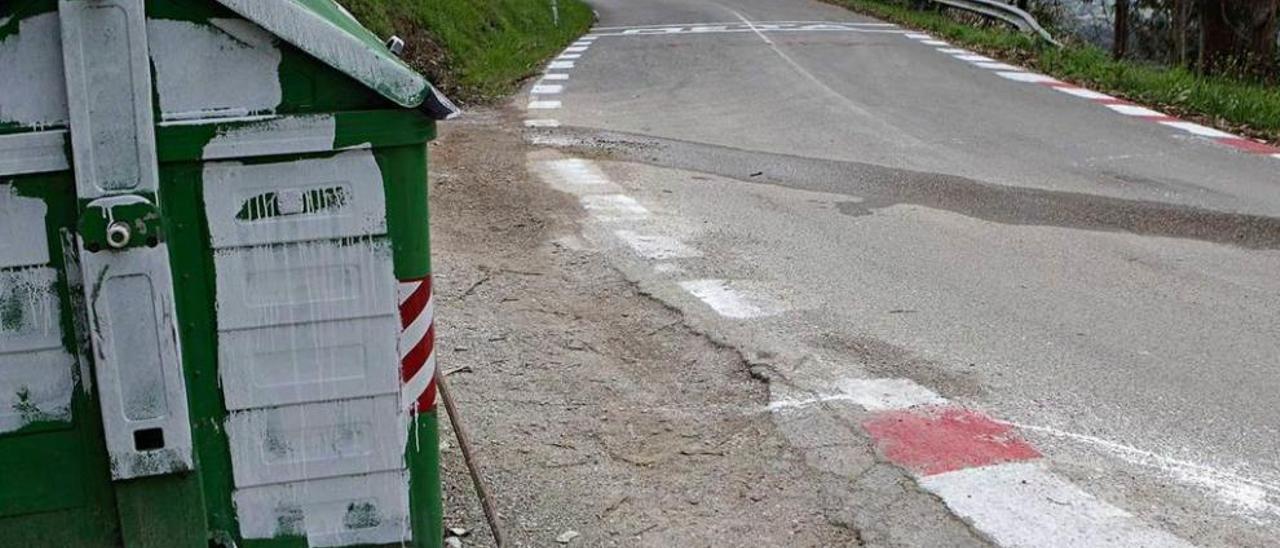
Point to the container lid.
(328, 32)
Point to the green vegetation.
(1246, 107)
(476, 49)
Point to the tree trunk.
(1120, 40)
(1180, 31)
(1238, 34)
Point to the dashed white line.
(1083, 93)
(577, 171)
(657, 247)
(575, 49)
(998, 66)
(1024, 505)
(974, 58)
(544, 105)
(555, 76)
(547, 89)
(934, 43)
(569, 56)
(918, 36)
(612, 207)
(870, 394)
(560, 65)
(542, 122)
(724, 300)
(1135, 110)
(1029, 77)
(954, 51)
(1197, 129)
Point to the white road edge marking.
(560, 65)
(569, 56)
(575, 49)
(934, 43)
(998, 66)
(613, 207)
(555, 76)
(1198, 129)
(577, 171)
(549, 89)
(1024, 505)
(954, 51)
(724, 300)
(542, 122)
(1083, 93)
(657, 247)
(870, 394)
(1028, 77)
(1135, 110)
(918, 36)
(544, 105)
(972, 58)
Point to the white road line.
(1244, 493)
(613, 207)
(998, 66)
(569, 56)
(918, 36)
(1029, 77)
(656, 247)
(1135, 110)
(560, 65)
(548, 89)
(555, 76)
(542, 122)
(723, 299)
(577, 171)
(1198, 129)
(975, 58)
(934, 43)
(1083, 93)
(711, 23)
(544, 105)
(575, 49)
(1024, 505)
(954, 51)
(870, 394)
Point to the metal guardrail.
(1004, 12)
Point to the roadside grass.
(1244, 107)
(476, 50)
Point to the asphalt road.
(847, 204)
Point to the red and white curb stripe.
(1018, 74)
(417, 345)
(984, 471)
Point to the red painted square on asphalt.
(934, 440)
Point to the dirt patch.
(594, 409)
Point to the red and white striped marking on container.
(417, 345)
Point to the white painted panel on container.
(35, 386)
(223, 67)
(304, 282)
(309, 362)
(363, 509)
(315, 440)
(35, 152)
(272, 136)
(336, 197)
(25, 216)
(33, 91)
(30, 314)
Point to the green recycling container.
(216, 321)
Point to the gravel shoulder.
(594, 408)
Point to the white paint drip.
(554, 65)
(998, 66)
(547, 89)
(656, 247)
(25, 216)
(1247, 494)
(725, 300)
(544, 105)
(269, 136)
(1135, 110)
(1023, 505)
(870, 394)
(1028, 77)
(242, 79)
(33, 91)
(542, 122)
(36, 382)
(1083, 93)
(555, 76)
(613, 207)
(1197, 129)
